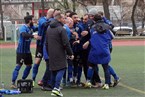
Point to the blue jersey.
(45, 53)
(78, 28)
(24, 43)
(87, 37)
(68, 31)
(42, 29)
(99, 52)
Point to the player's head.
(56, 11)
(85, 18)
(101, 13)
(60, 17)
(97, 17)
(29, 20)
(74, 16)
(92, 13)
(67, 13)
(50, 13)
(69, 22)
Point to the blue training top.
(99, 52)
(24, 43)
(45, 54)
(68, 31)
(42, 27)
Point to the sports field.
(128, 59)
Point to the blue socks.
(35, 71)
(15, 73)
(90, 73)
(26, 72)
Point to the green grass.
(129, 63)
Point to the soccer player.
(76, 46)
(85, 36)
(68, 26)
(100, 52)
(23, 50)
(43, 23)
(57, 35)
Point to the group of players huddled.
(82, 43)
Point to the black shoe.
(111, 85)
(44, 88)
(116, 82)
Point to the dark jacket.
(57, 45)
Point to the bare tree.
(63, 3)
(74, 5)
(132, 18)
(42, 4)
(106, 8)
(141, 6)
(2, 25)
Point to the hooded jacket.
(57, 45)
(100, 39)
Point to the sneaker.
(88, 85)
(33, 83)
(116, 82)
(40, 83)
(97, 85)
(13, 86)
(56, 92)
(105, 86)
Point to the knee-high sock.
(26, 72)
(58, 78)
(90, 73)
(35, 71)
(113, 73)
(15, 73)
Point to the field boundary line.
(129, 87)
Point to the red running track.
(115, 43)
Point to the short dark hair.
(72, 13)
(28, 18)
(68, 11)
(97, 17)
(101, 13)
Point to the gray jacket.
(57, 45)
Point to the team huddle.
(70, 46)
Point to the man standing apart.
(23, 49)
(58, 47)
